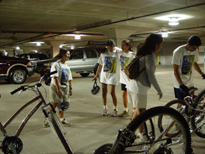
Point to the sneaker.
(114, 113)
(124, 114)
(46, 124)
(142, 138)
(64, 122)
(105, 112)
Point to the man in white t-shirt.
(109, 67)
(184, 57)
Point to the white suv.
(82, 60)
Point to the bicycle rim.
(61, 135)
(198, 121)
(178, 105)
(179, 144)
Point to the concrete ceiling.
(25, 21)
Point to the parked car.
(82, 60)
(15, 70)
(34, 58)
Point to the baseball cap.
(111, 43)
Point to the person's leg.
(104, 98)
(125, 112)
(179, 95)
(112, 93)
(104, 94)
(114, 100)
(136, 113)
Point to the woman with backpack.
(146, 78)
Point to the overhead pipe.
(105, 24)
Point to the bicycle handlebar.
(16, 90)
(38, 84)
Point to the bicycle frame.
(28, 116)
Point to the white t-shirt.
(125, 59)
(110, 67)
(63, 73)
(185, 59)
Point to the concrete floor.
(89, 129)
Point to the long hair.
(128, 43)
(149, 45)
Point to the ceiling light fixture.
(38, 44)
(173, 21)
(17, 48)
(72, 47)
(60, 46)
(165, 34)
(77, 37)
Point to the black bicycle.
(157, 142)
(193, 111)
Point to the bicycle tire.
(60, 134)
(199, 116)
(163, 110)
(170, 104)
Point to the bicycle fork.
(45, 111)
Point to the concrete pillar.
(26, 49)
(54, 50)
(117, 34)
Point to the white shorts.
(138, 100)
(55, 98)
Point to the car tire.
(84, 74)
(18, 75)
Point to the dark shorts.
(123, 87)
(179, 94)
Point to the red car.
(15, 70)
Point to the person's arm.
(98, 70)
(150, 68)
(59, 92)
(70, 87)
(176, 74)
(196, 66)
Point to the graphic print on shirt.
(65, 76)
(124, 61)
(187, 62)
(110, 64)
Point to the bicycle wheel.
(160, 143)
(178, 105)
(60, 134)
(198, 120)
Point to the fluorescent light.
(179, 16)
(38, 44)
(72, 47)
(77, 37)
(17, 48)
(60, 46)
(165, 34)
(173, 21)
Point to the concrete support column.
(26, 49)
(54, 50)
(118, 34)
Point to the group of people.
(112, 63)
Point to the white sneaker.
(64, 122)
(142, 138)
(114, 113)
(105, 112)
(46, 124)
